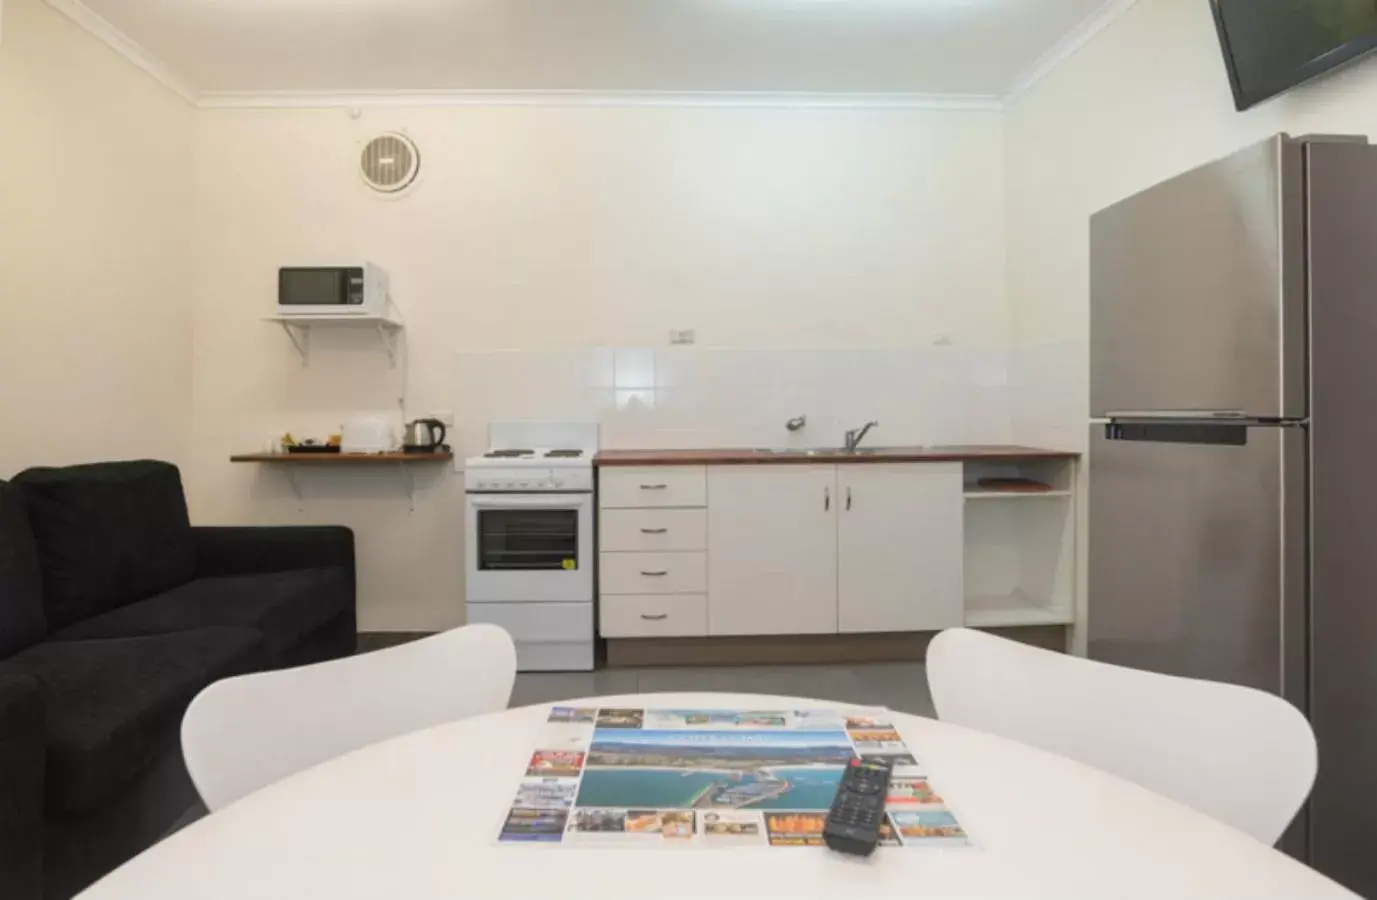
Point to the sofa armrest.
(21, 786)
(254, 550)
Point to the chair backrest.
(244, 733)
(1239, 755)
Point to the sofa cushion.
(108, 534)
(114, 706)
(21, 587)
(284, 606)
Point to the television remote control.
(853, 823)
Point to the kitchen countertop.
(746, 456)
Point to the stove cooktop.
(534, 454)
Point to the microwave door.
(313, 287)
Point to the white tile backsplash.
(1050, 393)
(712, 397)
(634, 369)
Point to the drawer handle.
(660, 574)
(654, 487)
(654, 531)
(660, 618)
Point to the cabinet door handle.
(654, 531)
(826, 499)
(848, 497)
(654, 487)
(660, 618)
(660, 574)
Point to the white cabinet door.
(772, 549)
(899, 547)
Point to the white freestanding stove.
(529, 555)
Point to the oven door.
(535, 548)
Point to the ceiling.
(978, 47)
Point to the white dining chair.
(244, 733)
(1242, 756)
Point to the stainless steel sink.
(819, 451)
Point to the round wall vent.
(390, 163)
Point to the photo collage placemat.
(715, 778)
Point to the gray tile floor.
(900, 686)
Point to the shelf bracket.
(296, 489)
(301, 340)
(409, 479)
(389, 342)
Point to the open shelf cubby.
(1020, 555)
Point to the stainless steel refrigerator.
(1233, 452)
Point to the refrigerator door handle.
(1228, 434)
(1179, 415)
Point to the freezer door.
(1197, 553)
(1197, 291)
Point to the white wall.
(95, 255)
(563, 229)
(1144, 100)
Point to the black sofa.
(114, 613)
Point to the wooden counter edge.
(732, 457)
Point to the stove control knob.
(555, 481)
(520, 484)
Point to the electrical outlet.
(445, 416)
(683, 336)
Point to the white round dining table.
(417, 817)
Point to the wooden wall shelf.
(340, 458)
(292, 463)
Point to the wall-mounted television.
(1270, 46)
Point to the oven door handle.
(489, 501)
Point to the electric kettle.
(420, 436)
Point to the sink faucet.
(854, 437)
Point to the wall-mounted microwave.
(333, 290)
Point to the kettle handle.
(433, 424)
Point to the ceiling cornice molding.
(516, 98)
(124, 45)
(1065, 48)
(121, 43)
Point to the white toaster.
(367, 434)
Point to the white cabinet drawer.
(654, 615)
(652, 486)
(653, 573)
(653, 529)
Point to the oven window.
(528, 539)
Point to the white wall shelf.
(1016, 608)
(978, 494)
(299, 328)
